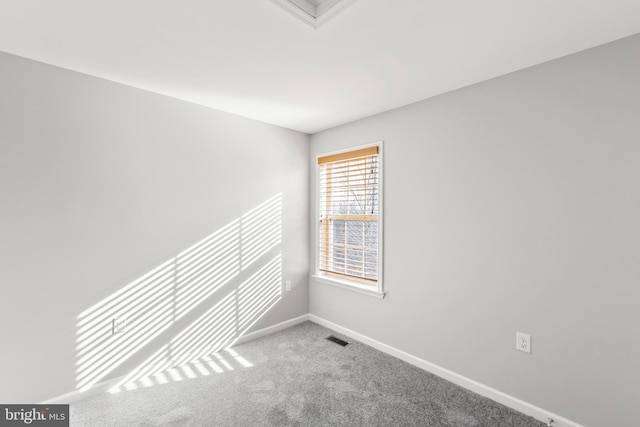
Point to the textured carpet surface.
(296, 378)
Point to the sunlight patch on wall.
(261, 231)
(148, 304)
(161, 300)
(218, 328)
(258, 294)
(205, 267)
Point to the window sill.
(354, 287)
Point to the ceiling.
(252, 58)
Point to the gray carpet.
(297, 378)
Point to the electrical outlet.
(287, 285)
(523, 342)
(119, 325)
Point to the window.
(349, 218)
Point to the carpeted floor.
(296, 378)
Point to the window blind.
(348, 203)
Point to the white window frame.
(344, 282)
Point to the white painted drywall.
(100, 183)
(513, 205)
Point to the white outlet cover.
(119, 325)
(523, 342)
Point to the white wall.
(99, 184)
(513, 205)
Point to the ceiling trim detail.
(314, 12)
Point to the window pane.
(371, 234)
(337, 232)
(349, 214)
(355, 233)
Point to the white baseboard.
(483, 390)
(103, 387)
(77, 395)
(271, 329)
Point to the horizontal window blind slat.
(359, 218)
(353, 170)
